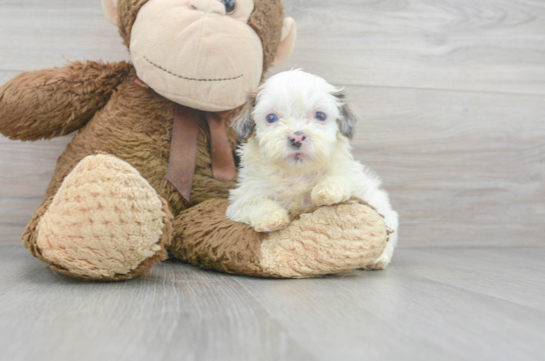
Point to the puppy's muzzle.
(297, 139)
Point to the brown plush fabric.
(205, 237)
(48, 103)
(127, 11)
(136, 127)
(267, 20)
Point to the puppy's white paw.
(272, 221)
(327, 194)
(381, 263)
(385, 259)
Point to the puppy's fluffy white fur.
(300, 160)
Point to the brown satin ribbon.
(183, 150)
(223, 162)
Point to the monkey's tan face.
(197, 53)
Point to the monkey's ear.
(244, 123)
(289, 33)
(110, 10)
(347, 121)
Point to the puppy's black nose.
(297, 139)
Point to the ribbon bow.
(183, 149)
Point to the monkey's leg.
(329, 240)
(105, 223)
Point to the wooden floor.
(442, 304)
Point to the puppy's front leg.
(264, 215)
(329, 191)
(269, 217)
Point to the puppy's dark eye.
(272, 118)
(230, 6)
(322, 117)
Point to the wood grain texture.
(43, 34)
(464, 169)
(25, 171)
(450, 96)
(477, 45)
(451, 304)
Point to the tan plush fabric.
(215, 77)
(266, 20)
(105, 220)
(110, 10)
(326, 240)
(194, 54)
(289, 34)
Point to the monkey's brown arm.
(53, 102)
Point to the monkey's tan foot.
(105, 223)
(323, 241)
(329, 193)
(329, 240)
(272, 221)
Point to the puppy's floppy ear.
(347, 121)
(244, 123)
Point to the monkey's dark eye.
(272, 118)
(229, 6)
(321, 116)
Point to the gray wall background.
(450, 94)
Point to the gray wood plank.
(421, 318)
(176, 313)
(505, 274)
(464, 169)
(37, 34)
(25, 171)
(483, 45)
(478, 45)
(427, 306)
(6, 75)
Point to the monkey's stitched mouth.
(192, 79)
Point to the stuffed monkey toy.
(149, 170)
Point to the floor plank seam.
(463, 91)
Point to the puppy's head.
(297, 120)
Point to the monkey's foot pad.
(105, 222)
(321, 241)
(329, 240)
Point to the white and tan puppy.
(297, 155)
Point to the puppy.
(297, 155)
